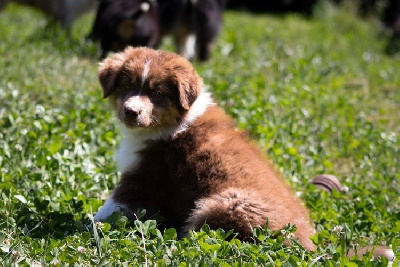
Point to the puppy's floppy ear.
(189, 88)
(109, 69)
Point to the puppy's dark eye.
(123, 87)
(157, 95)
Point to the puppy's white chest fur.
(126, 156)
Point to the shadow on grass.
(64, 42)
(40, 222)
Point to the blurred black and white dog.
(120, 23)
(193, 24)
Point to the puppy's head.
(148, 88)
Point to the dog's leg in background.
(68, 16)
(95, 33)
(208, 21)
(186, 44)
(204, 49)
(3, 3)
(67, 22)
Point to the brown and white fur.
(182, 155)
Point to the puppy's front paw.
(109, 207)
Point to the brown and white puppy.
(182, 155)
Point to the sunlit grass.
(319, 95)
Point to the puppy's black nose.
(131, 113)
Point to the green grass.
(319, 95)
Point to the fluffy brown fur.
(210, 172)
(182, 155)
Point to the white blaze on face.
(144, 77)
(134, 103)
(145, 71)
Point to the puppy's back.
(241, 187)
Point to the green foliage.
(319, 95)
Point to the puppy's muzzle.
(131, 113)
(136, 111)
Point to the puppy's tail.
(243, 210)
(231, 209)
